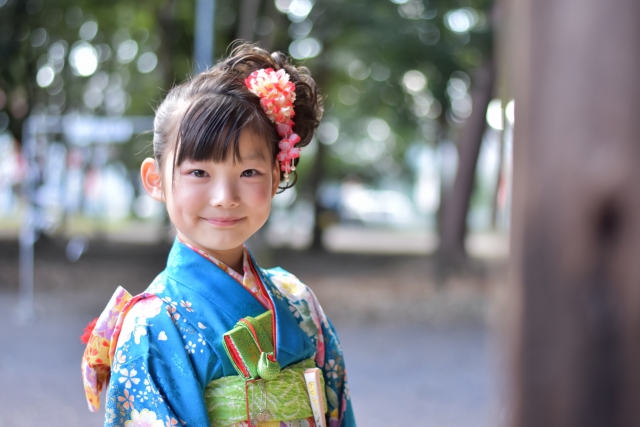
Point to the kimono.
(159, 350)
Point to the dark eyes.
(199, 173)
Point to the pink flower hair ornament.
(277, 95)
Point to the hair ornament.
(277, 95)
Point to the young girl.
(216, 340)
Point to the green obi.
(284, 398)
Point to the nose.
(224, 194)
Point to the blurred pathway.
(399, 376)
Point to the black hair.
(213, 108)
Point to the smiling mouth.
(223, 222)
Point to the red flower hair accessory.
(277, 95)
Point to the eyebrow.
(254, 155)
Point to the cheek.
(261, 195)
(184, 198)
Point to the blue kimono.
(166, 346)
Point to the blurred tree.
(90, 57)
(455, 205)
(396, 75)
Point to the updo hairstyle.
(202, 118)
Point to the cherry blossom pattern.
(190, 347)
(186, 305)
(144, 418)
(128, 377)
(118, 361)
(277, 95)
(332, 369)
(126, 400)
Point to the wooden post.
(576, 222)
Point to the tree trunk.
(248, 15)
(168, 29)
(453, 224)
(315, 179)
(576, 217)
(279, 20)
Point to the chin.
(221, 244)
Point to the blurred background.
(399, 220)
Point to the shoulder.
(143, 315)
(302, 301)
(289, 285)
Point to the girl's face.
(216, 207)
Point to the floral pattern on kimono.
(169, 346)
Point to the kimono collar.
(194, 271)
(248, 280)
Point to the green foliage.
(368, 46)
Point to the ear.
(152, 179)
(275, 179)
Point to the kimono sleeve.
(330, 359)
(329, 356)
(154, 381)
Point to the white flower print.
(187, 305)
(170, 303)
(118, 361)
(172, 312)
(128, 377)
(137, 320)
(201, 339)
(139, 331)
(142, 395)
(294, 310)
(190, 347)
(156, 287)
(332, 369)
(201, 326)
(110, 415)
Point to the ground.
(417, 353)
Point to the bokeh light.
(83, 59)
(348, 95)
(298, 30)
(494, 114)
(414, 81)
(58, 50)
(411, 10)
(378, 129)
(461, 20)
(380, 72)
(329, 130)
(127, 51)
(45, 76)
(88, 30)
(510, 112)
(38, 37)
(308, 47)
(147, 62)
(358, 70)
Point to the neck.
(232, 258)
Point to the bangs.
(211, 126)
